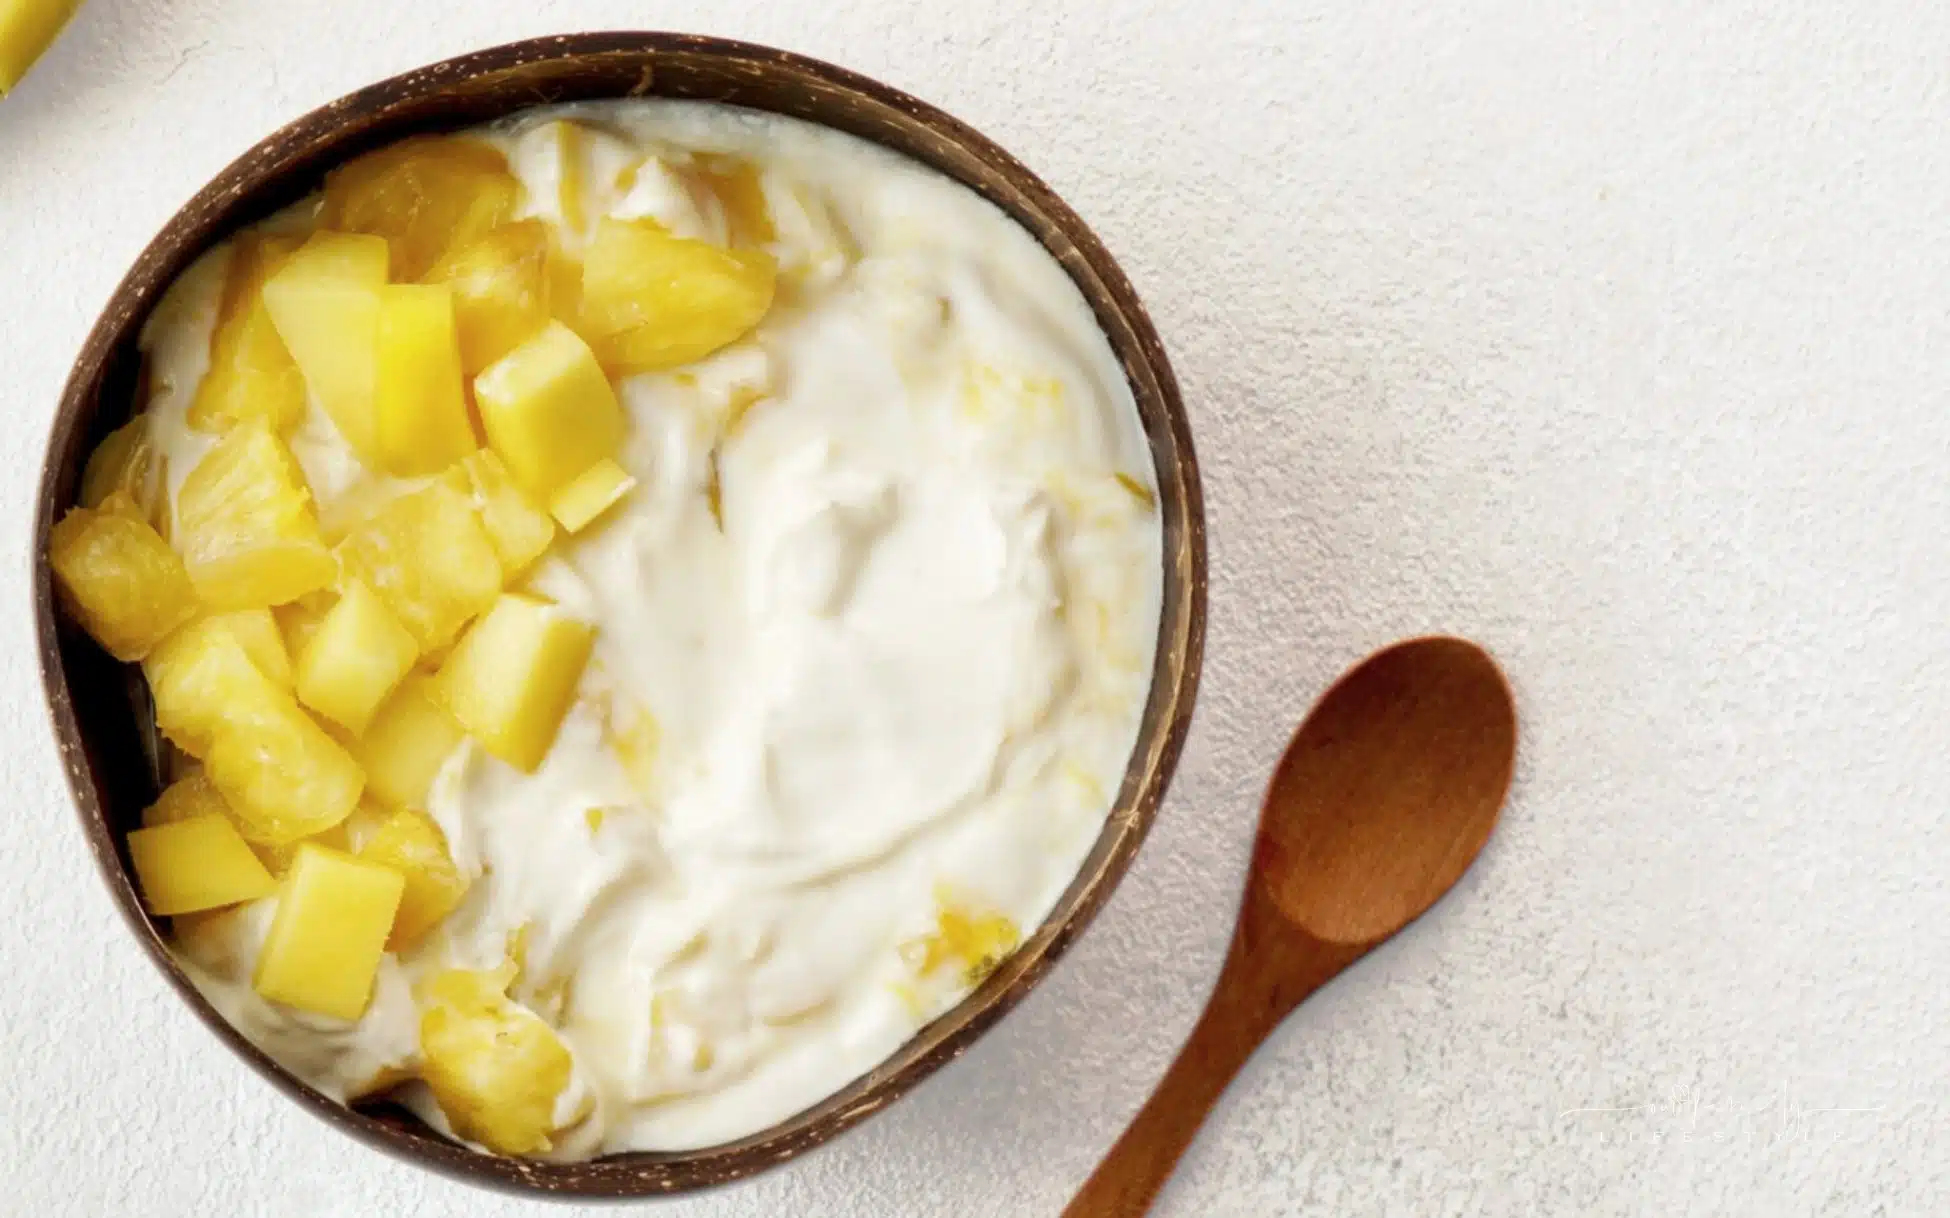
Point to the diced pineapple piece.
(429, 559)
(598, 489)
(125, 585)
(494, 1067)
(187, 798)
(300, 619)
(324, 303)
(245, 524)
(411, 844)
(406, 744)
(419, 400)
(512, 677)
(354, 660)
(501, 290)
(196, 864)
(26, 31)
(329, 933)
(518, 530)
(424, 196)
(652, 300)
(125, 461)
(202, 679)
(251, 374)
(263, 642)
(283, 776)
(549, 411)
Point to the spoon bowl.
(1383, 799)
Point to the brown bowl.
(98, 725)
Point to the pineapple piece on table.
(549, 410)
(125, 461)
(406, 744)
(411, 844)
(501, 290)
(245, 524)
(652, 300)
(251, 374)
(191, 865)
(355, 658)
(127, 588)
(27, 29)
(599, 488)
(419, 398)
(424, 196)
(511, 678)
(329, 933)
(494, 1067)
(324, 303)
(519, 530)
(203, 679)
(430, 560)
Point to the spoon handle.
(1269, 970)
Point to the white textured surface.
(1615, 339)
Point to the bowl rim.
(215, 209)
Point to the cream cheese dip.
(874, 633)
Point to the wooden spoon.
(1383, 799)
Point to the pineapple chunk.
(411, 844)
(283, 776)
(419, 401)
(512, 677)
(494, 1067)
(652, 300)
(329, 933)
(324, 303)
(518, 530)
(196, 864)
(423, 196)
(549, 410)
(430, 561)
(501, 290)
(599, 488)
(203, 679)
(263, 642)
(355, 658)
(125, 461)
(245, 524)
(27, 29)
(187, 798)
(300, 619)
(406, 744)
(125, 585)
(251, 374)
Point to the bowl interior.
(97, 704)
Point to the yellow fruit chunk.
(27, 29)
(411, 844)
(125, 461)
(501, 290)
(419, 399)
(324, 303)
(423, 196)
(512, 677)
(494, 1067)
(283, 775)
(430, 561)
(549, 410)
(245, 524)
(354, 659)
(258, 631)
(518, 530)
(196, 864)
(329, 933)
(124, 584)
(202, 679)
(300, 619)
(598, 489)
(251, 374)
(187, 798)
(406, 744)
(653, 300)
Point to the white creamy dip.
(880, 645)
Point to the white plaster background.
(1614, 335)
